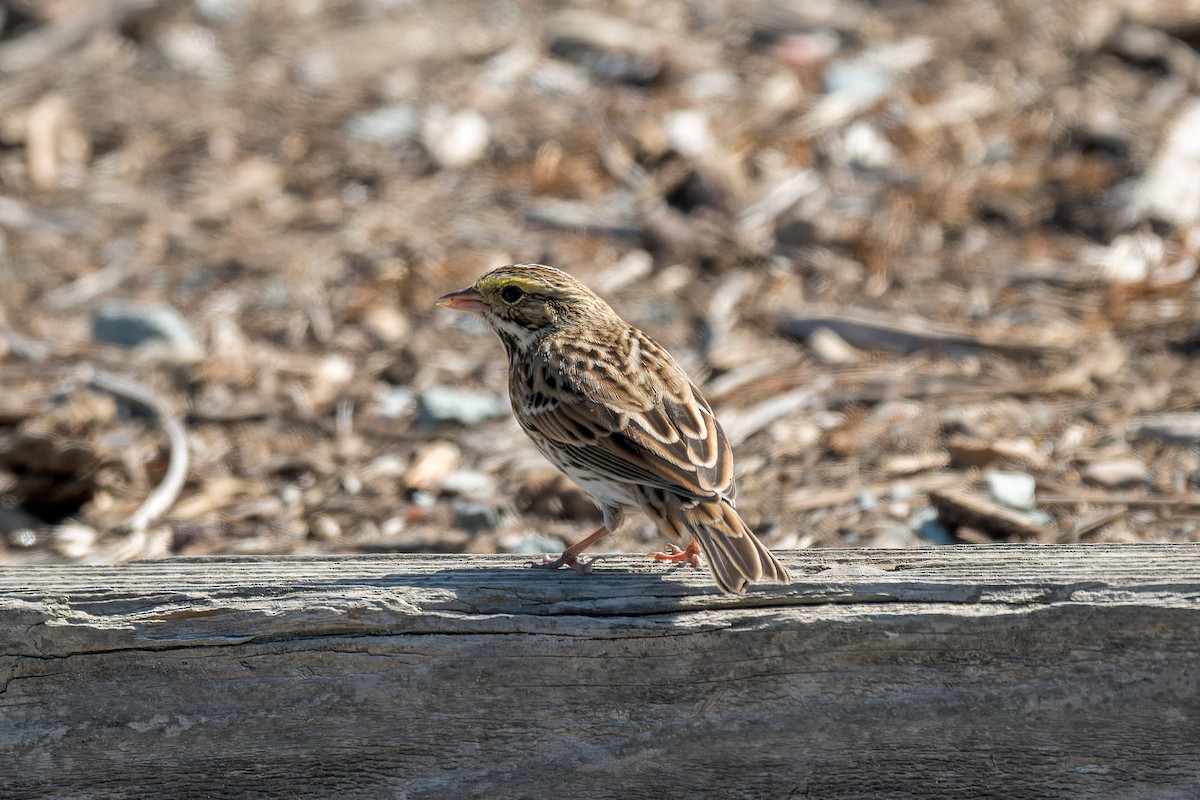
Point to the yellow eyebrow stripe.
(525, 284)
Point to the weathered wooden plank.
(1003, 671)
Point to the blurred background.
(934, 264)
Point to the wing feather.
(635, 418)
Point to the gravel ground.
(935, 265)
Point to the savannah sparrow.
(610, 408)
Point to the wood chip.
(431, 464)
(968, 452)
(958, 507)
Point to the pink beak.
(468, 299)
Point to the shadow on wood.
(1002, 671)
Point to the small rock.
(22, 538)
(135, 324)
(1130, 258)
(532, 544)
(713, 84)
(441, 404)
(325, 528)
(73, 541)
(779, 92)
(317, 71)
(1013, 489)
(475, 517)
(637, 69)
(831, 349)
(430, 466)
(935, 532)
(393, 124)
(866, 501)
(392, 526)
(388, 465)
(896, 536)
(220, 11)
(558, 78)
(469, 484)
(862, 79)
(863, 146)
(393, 402)
(455, 140)
(925, 524)
(329, 375)
(292, 496)
(1117, 473)
(193, 50)
(688, 132)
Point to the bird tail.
(736, 558)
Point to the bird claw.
(579, 565)
(675, 555)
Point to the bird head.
(524, 302)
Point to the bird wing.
(629, 413)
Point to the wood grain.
(998, 671)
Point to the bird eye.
(511, 294)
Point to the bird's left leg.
(689, 556)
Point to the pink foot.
(564, 560)
(689, 556)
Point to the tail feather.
(736, 557)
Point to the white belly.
(605, 493)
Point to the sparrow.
(608, 406)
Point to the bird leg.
(691, 555)
(570, 556)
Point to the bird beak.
(468, 299)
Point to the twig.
(908, 333)
(167, 492)
(783, 195)
(1104, 498)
